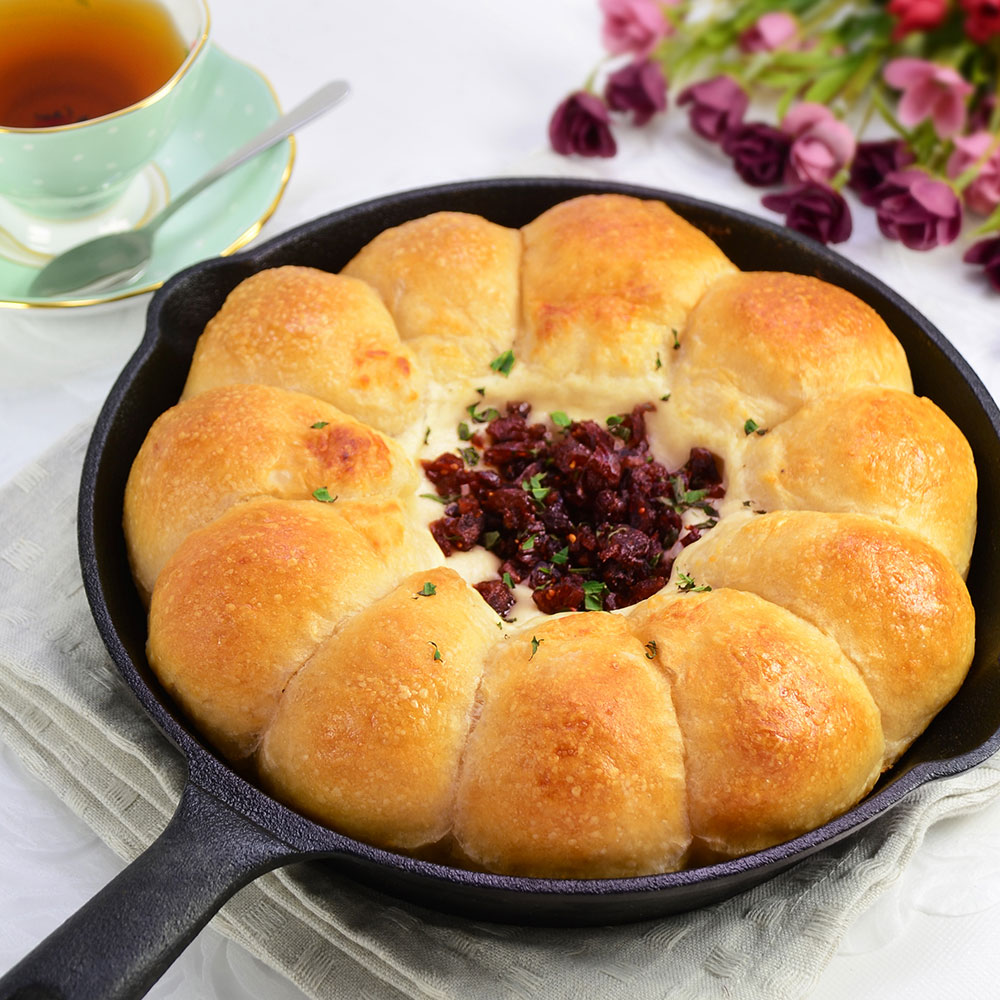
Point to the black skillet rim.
(315, 840)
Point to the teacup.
(67, 171)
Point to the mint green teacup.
(67, 173)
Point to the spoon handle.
(322, 100)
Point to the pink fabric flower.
(983, 194)
(635, 26)
(929, 91)
(916, 15)
(769, 32)
(918, 211)
(821, 145)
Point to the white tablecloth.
(447, 90)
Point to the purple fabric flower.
(917, 210)
(759, 153)
(872, 163)
(717, 106)
(986, 253)
(581, 124)
(814, 210)
(639, 87)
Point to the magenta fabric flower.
(917, 210)
(717, 106)
(814, 210)
(821, 145)
(982, 19)
(929, 91)
(916, 15)
(759, 153)
(983, 194)
(872, 163)
(581, 124)
(986, 253)
(770, 32)
(635, 26)
(639, 87)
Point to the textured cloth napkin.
(66, 712)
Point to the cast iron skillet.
(226, 832)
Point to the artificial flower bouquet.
(923, 74)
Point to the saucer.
(233, 103)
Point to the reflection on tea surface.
(65, 61)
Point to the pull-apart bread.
(567, 551)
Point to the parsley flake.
(470, 455)
(504, 363)
(535, 643)
(508, 580)
(441, 500)
(482, 416)
(528, 544)
(687, 584)
(677, 340)
(427, 590)
(437, 652)
(464, 434)
(319, 425)
(427, 435)
(323, 495)
(561, 557)
(665, 397)
(659, 363)
(560, 419)
(490, 538)
(650, 649)
(533, 485)
(593, 595)
(752, 427)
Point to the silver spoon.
(107, 261)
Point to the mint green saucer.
(235, 103)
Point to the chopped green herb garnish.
(441, 500)
(650, 649)
(677, 340)
(504, 363)
(490, 538)
(437, 652)
(614, 421)
(752, 427)
(688, 585)
(482, 416)
(528, 544)
(464, 434)
(470, 455)
(593, 595)
(560, 419)
(323, 495)
(427, 590)
(659, 363)
(508, 580)
(481, 390)
(561, 557)
(533, 485)
(617, 427)
(319, 425)
(535, 643)
(665, 397)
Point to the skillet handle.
(120, 942)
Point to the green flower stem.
(967, 176)
(990, 225)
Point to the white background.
(447, 90)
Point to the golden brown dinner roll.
(606, 280)
(871, 451)
(759, 345)
(244, 601)
(575, 766)
(451, 282)
(780, 733)
(369, 734)
(239, 441)
(312, 332)
(894, 604)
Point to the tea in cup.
(89, 92)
